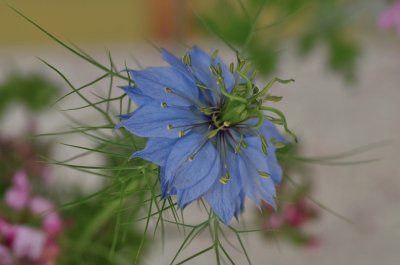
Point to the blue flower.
(207, 130)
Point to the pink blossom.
(3, 225)
(7, 230)
(16, 199)
(390, 18)
(307, 208)
(23, 243)
(39, 205)
(52, 224)
(275, 221)
(17, 196)
(28, 243)
(294, 216)
(20, 180)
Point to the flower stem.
(216, 240)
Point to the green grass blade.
(252, 29)
(195, 255)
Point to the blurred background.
(344, 56)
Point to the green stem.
(282, 116)
(248, 82)
(230, 96)
(260, 122)
(98, 221)
(216, 240)
(269, 85)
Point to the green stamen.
(264, 144)
(214, 55)
(200, 85)
(214, 132)
(264, 174)
(207, 111)
(224, 179)
(277, 144)
(239, 145)
(231, 67)
(273, 98)
(187, 60)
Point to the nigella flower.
(208, 131)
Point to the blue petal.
(153, 81)
(267, 163)
(268, 191)
(164, 184)
(223, 198)
(166, 189)
(136, 95)
(248, 180)
(192, 178)
(200, 65)
(126, 116)
(157, 150)
(258, 188)
(274, 167)
(239, 206)
(152, 120)
(174, 61)
(254, 160)
(269, 130)
(226, 74)
(201, 62)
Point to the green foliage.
(308, 23)
(103, 229)
(91, 232)
(265, 58)
(34, 91)
(342, 57)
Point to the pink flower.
(16, 199)
(20, 180)
(7, 230)
(52, 224)
(17, 196)
(390, 18)
(39, 205)
(5, 256)
(28, 243)
(294, 216)
(275, 221)
(3, 226)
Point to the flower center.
(245, 100)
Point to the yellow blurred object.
(76, 20)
